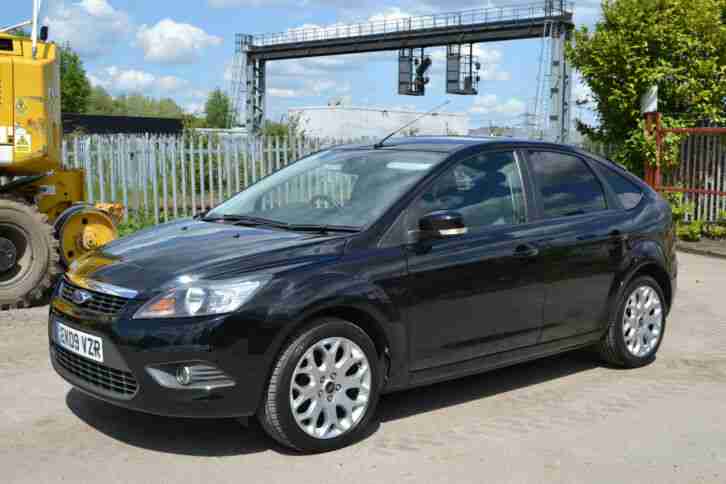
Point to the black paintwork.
(437, 309)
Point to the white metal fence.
(176, 176)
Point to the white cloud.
(326, 87)
(198, 93)
(490, 59)
(248, 3)
(97, 8)
(490, 104)
(581, 92)
(390, 13)
(170, 42)
(312, 67)
(310, 88)
(588, 11)
(171, 83)
(88, 26)
(348, 8)
(126, 80)
(119, 81)
(283, 93)
(194, 107)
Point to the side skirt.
(500, 360)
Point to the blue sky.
(183, 49)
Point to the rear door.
(582, 242)
(479, 293)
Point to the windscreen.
(350, 188)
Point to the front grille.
(100, 303)
(117, 382)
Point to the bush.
(137, 221)
(682, 210)
(694, 230)
(691, 232)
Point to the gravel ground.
(563, 419)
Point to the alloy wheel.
(330, 388)
(642, 321)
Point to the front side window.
(486, 190)
(350, 188)
(566, 184)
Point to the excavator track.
(29, 257)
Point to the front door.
(480, 293)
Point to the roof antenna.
(432, 112)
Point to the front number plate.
(80, 343)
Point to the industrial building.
(349, 121)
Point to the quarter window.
(628, 192)
(567, 185)
(486, 190)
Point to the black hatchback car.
(369, 269)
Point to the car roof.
(451, 144)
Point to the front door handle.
(526, 251)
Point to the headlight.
(202, 298)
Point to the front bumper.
(131, 347)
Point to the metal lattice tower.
(237, 90)
(544, 19)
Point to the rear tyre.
(324, 388)
(28, 255)
(636, 332)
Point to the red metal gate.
(701, 171)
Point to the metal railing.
(514, 13)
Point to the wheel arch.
(388, 335)
(661, 277)
(647, 259)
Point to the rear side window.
(567, 185)
(628, 192)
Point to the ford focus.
(361, 270)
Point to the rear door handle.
(526, 251)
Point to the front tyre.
(324, 388)
(637, 330)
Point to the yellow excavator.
(44, 224)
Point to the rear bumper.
(133, 356)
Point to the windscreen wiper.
(245, 220)
(323, 228)
(252, 221)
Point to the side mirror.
(441, 225)
(43, 33)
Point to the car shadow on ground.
(226, 437)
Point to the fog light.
(190, 375)
(184, 375)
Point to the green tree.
(100, 102)
(168, 108)
(21, 32)
(139, 105)
(678, 45)
(275, 130)
(218, 108)
(288, 125)
(75, 87)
